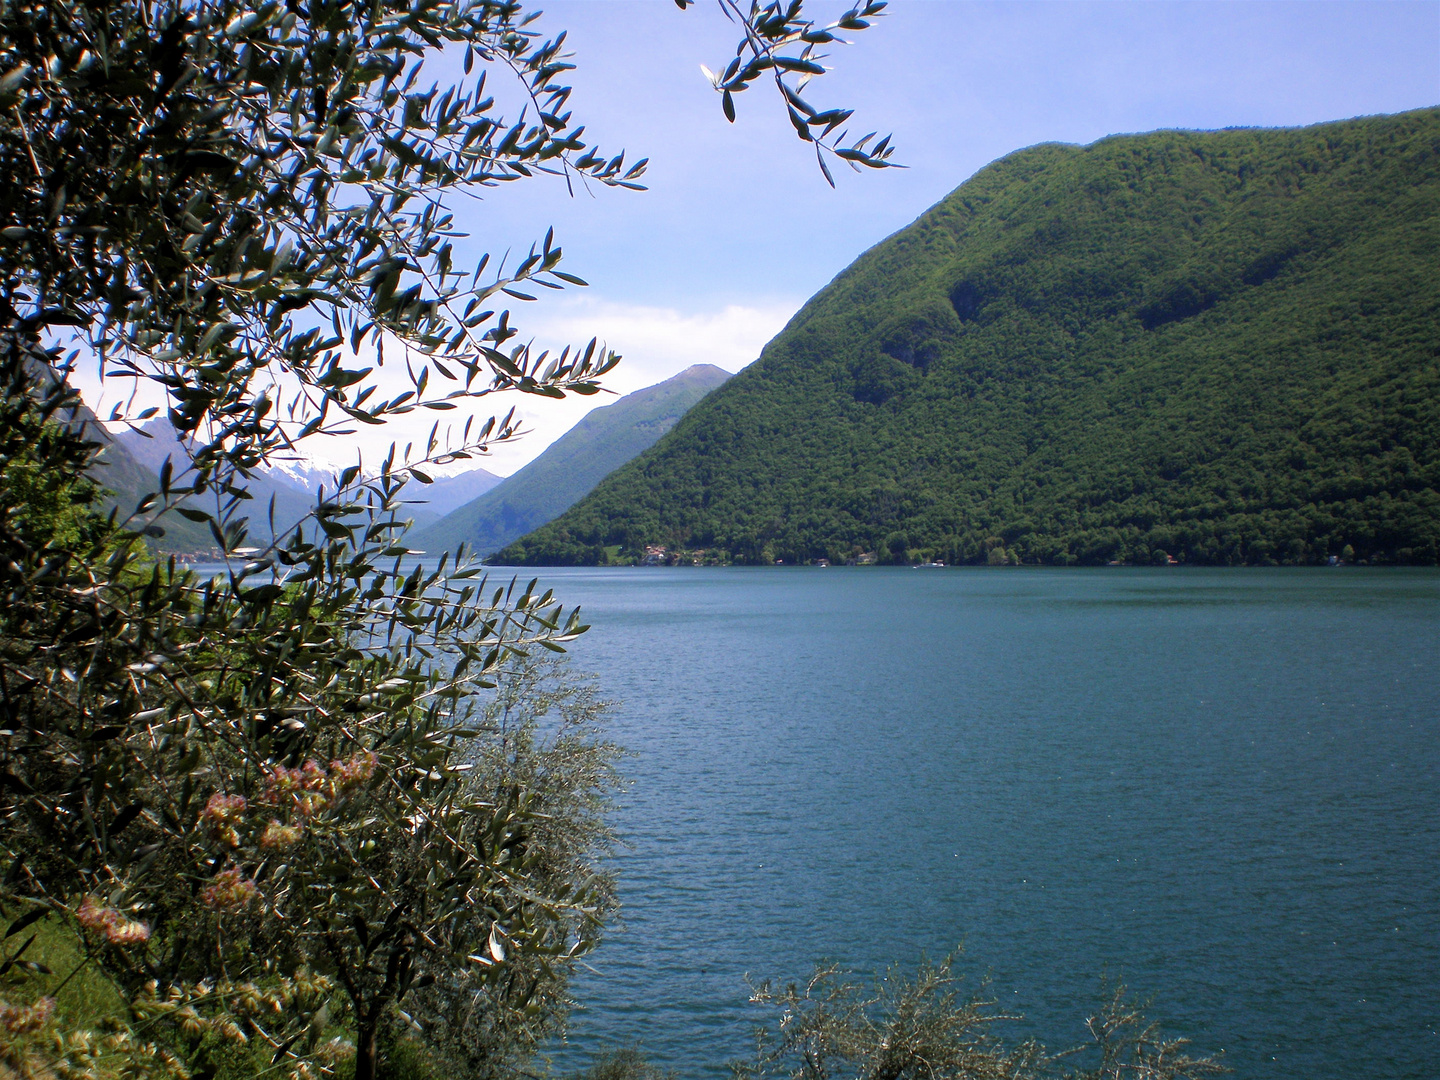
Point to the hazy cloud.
(656, 343)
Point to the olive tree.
(925, 1027)
(247, 795)
(544, 736)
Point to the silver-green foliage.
(545, 736)
(838, 1027)
(250, 795)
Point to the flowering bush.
(254, 204)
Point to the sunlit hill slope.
(1207, 347)
(603, 440)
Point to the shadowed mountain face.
(152, 443)
(126, 481)
(1209, 347)
(289, 486)
(431, 502)
(601, 442)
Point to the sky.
(738, 227)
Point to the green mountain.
(1214, 347)
(603, 440)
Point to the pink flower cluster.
(223, 813)
(224, 809)
(354, 770)
(278, 836)
(229, 891)
(113, 925)
(312, 787)
(284, 781)
(25, 1019)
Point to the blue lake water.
(1220, 786)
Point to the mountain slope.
(292, 484)
(425, 503)
(432, 502)
(603, 440)
(152, 443)
(125, 481)
(1217, 347)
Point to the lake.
(1220, 786)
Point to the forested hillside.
(1212, 347)
(603, 440)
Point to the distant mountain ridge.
(603, 440)
(425, 503)
(126, 481)
(1200, 347)
(289, 484)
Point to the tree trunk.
(365, 1050)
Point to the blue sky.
(738, 228)
(736, 212)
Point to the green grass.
(84, 997)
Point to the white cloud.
(658, 342)
(655, 342)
